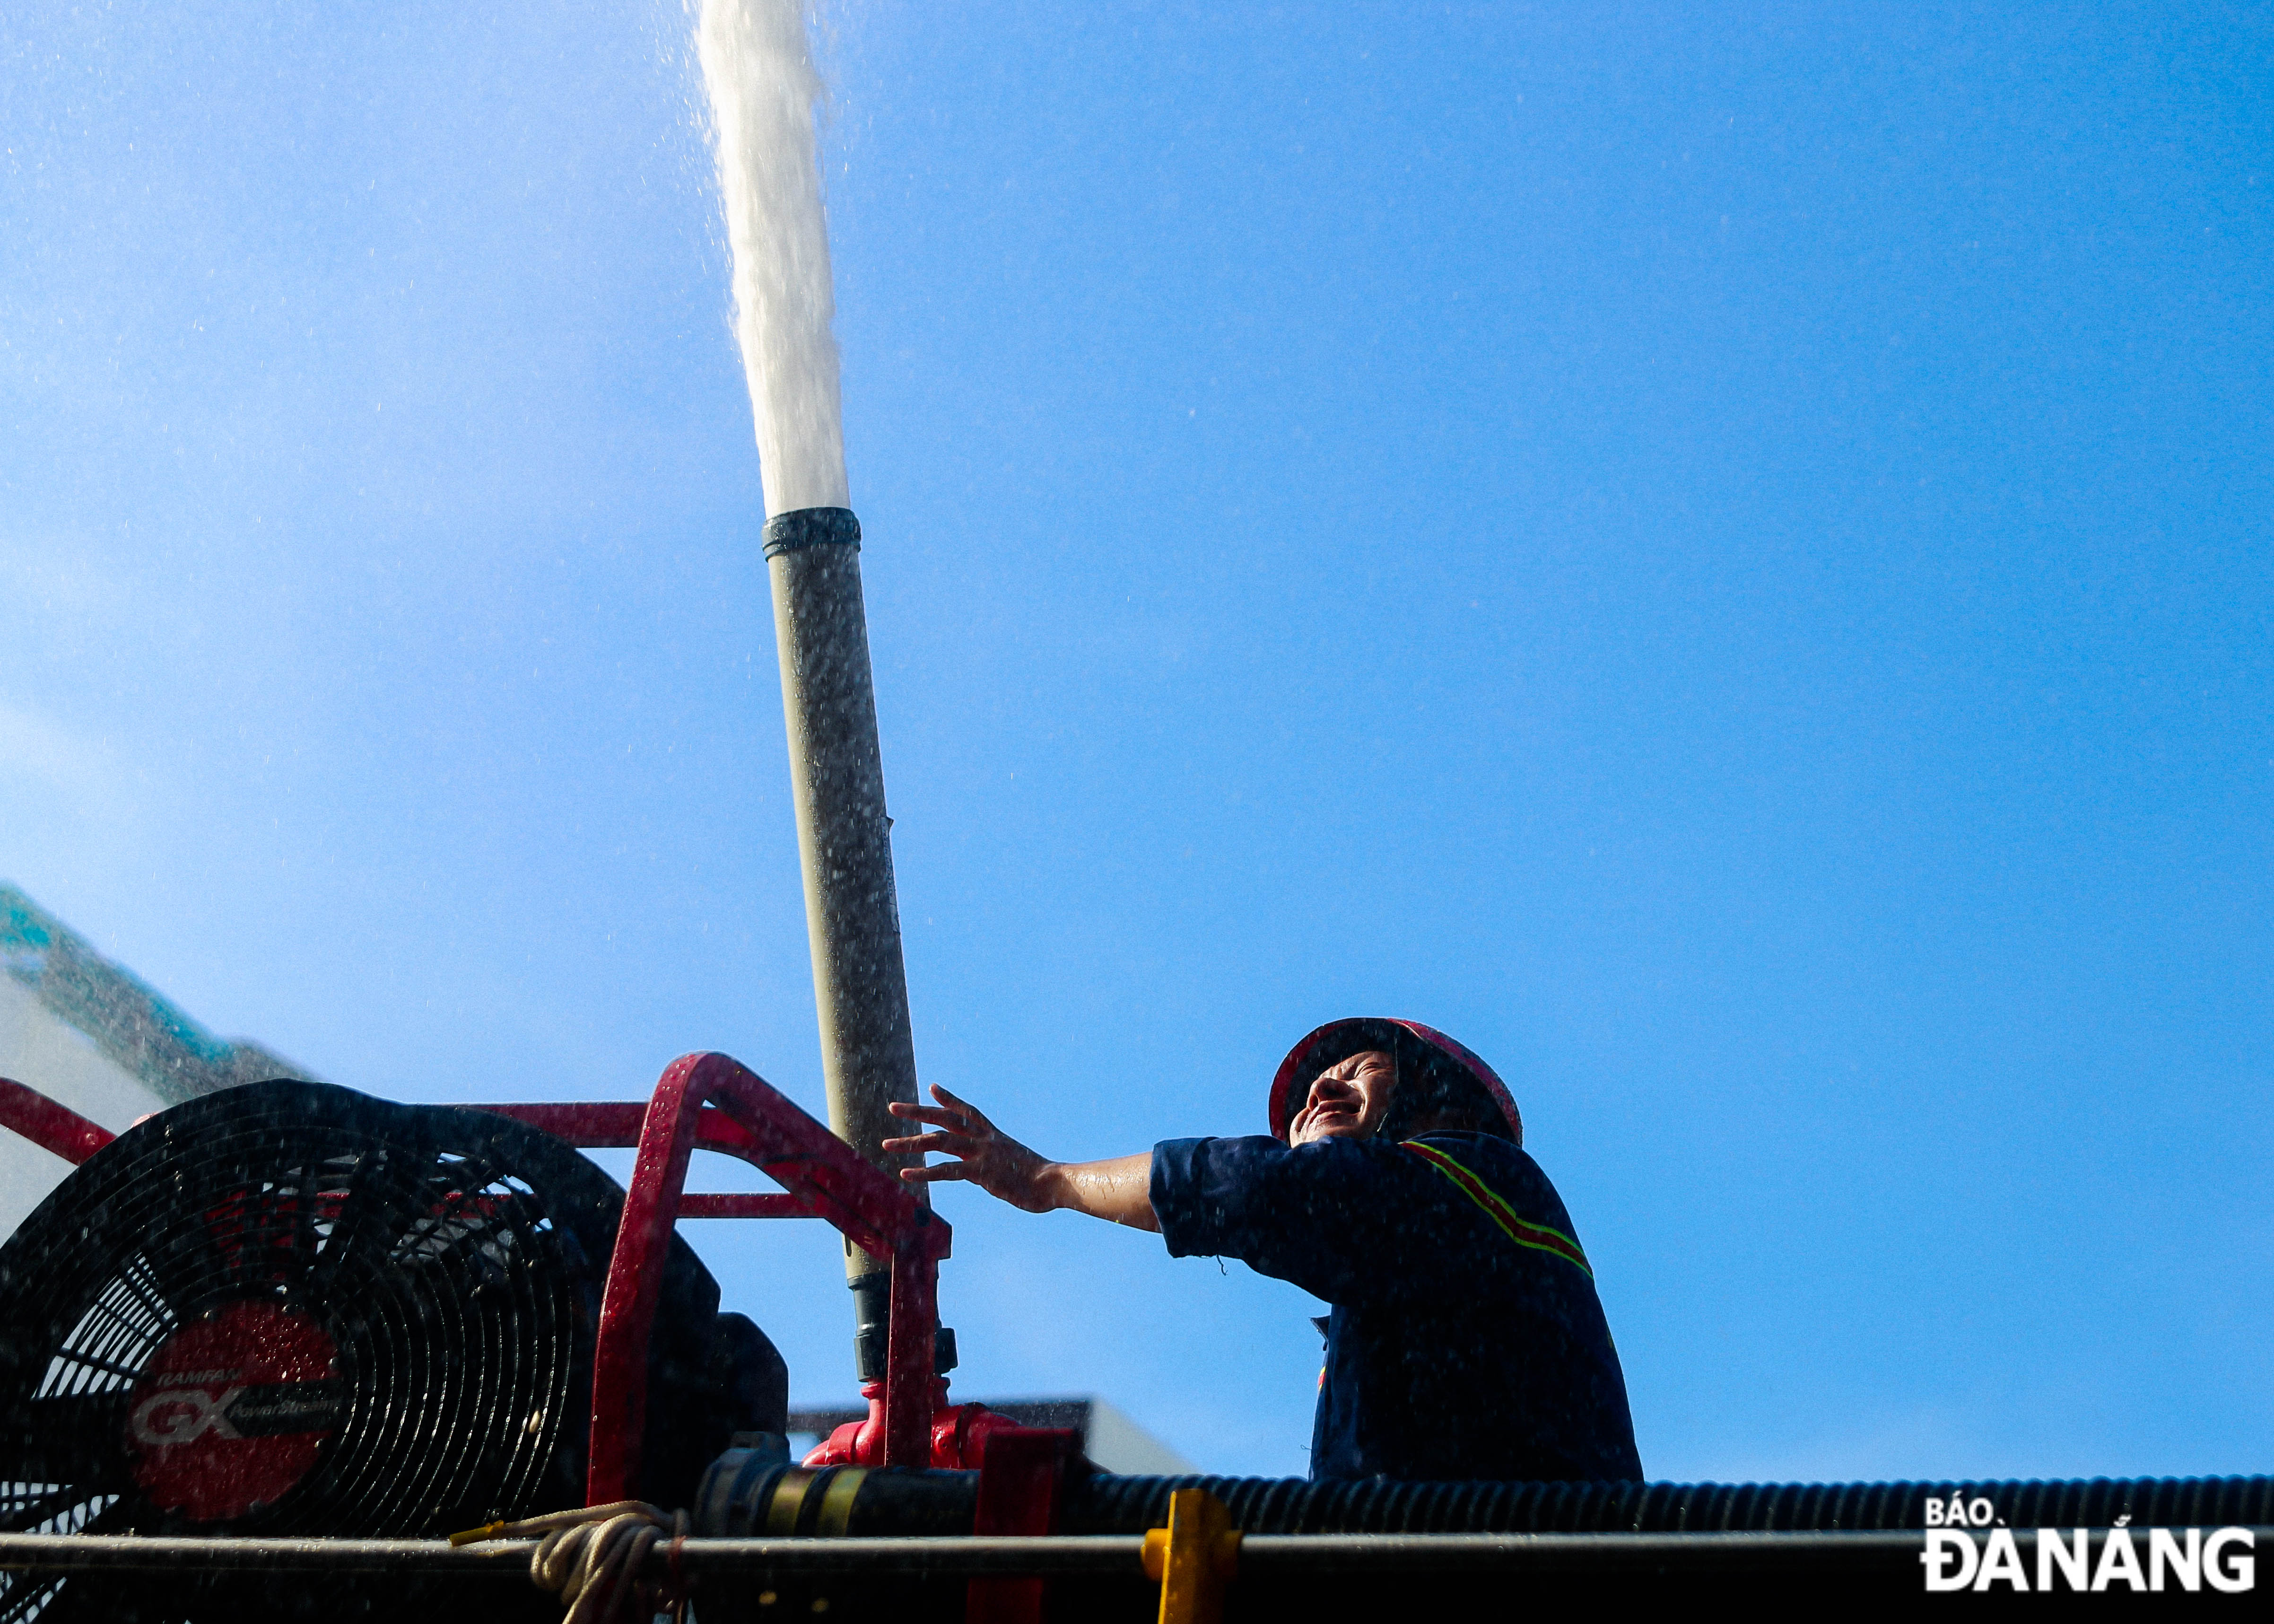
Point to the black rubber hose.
(745, 1496)
(1104, 1504)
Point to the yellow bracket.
(1192, 1558)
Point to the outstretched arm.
(1118, 1189)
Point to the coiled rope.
(592, 1558)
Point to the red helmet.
(1299, 1068)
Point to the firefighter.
(1465, 1341)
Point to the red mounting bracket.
(56, 1129)
(712, 1102)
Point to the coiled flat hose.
(744, 1496)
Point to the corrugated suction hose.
(746, 1496)
(1110, 1505)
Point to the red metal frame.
(712, 1102)
(1020, 1472)
(56, 1129)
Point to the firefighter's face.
(1347, 1100)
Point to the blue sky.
(1720, 557)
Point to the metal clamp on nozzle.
(872, 1298)
(787, 532)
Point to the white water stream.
(757, 65)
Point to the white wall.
(1119, 1445)
(43, 1052)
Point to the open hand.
(990, 1158)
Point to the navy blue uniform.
(1466, 1339)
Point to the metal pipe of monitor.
(844, 841)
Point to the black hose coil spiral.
(1110, 1505)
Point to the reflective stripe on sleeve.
(1540, 1237)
